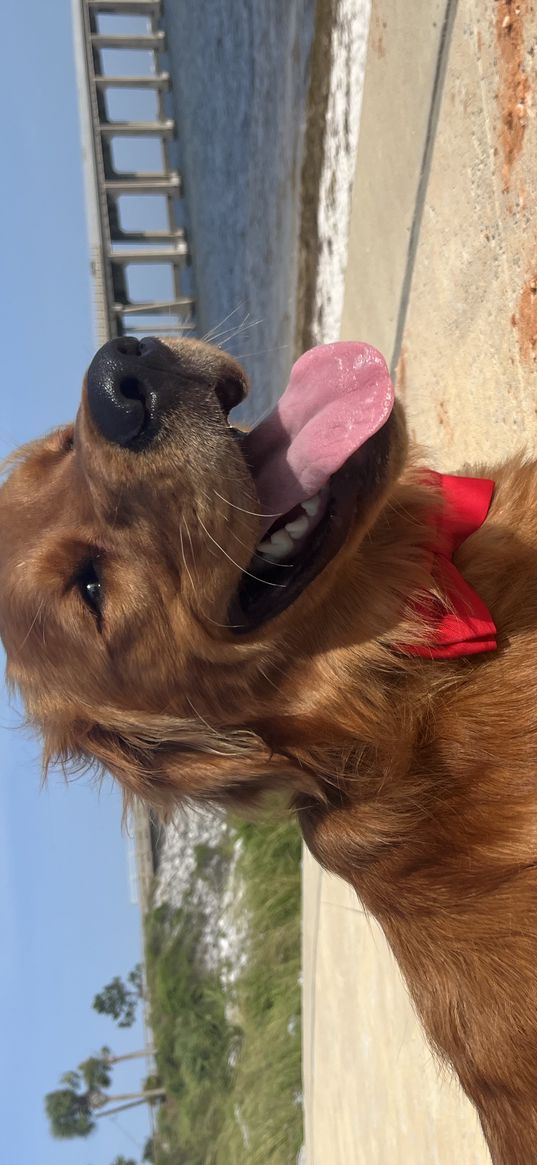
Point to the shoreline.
(314, 153)
(330, 146)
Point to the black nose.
(127, 383)
(133, 384)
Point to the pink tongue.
(338, 396)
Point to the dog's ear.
(163, 761)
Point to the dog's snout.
(133, 384)
(123, 389)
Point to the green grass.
(200, 1030)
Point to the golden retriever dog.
(213, 614)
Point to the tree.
(123, 1160)
(140, 1053)
(69, 1114)
(120, 999)
(95, 1071)
(73, 1109)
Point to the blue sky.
(66, 917)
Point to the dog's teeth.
(271, 551)
(298, 527)
(311, 506)
(279, 545)
(282, 542)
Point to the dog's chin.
(348, 505)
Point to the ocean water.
(240, 75)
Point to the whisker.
(273, 561)
(254, 513)
(113, 522)
(202, 718)
(244, 327)
(225, 319)
(224, 626)
(268, 679)
(217, 334)
(255, 577)
(261, 352)
(185, 564)
(32, 624)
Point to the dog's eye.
(90, 586)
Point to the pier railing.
(126, 200)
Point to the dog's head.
(164, 576)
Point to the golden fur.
(415, 781)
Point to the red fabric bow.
(468, 628)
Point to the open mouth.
(316, 461)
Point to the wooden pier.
(121, 242)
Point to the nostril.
(132, 388)
(148, 346)
(230, 391)
(128, 346)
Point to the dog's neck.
(427, 793)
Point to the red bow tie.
(468, 627)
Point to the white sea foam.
(349, 46)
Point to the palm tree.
(138, 1055)
(73, 1109)
(108, 1058)
(69, 1114)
